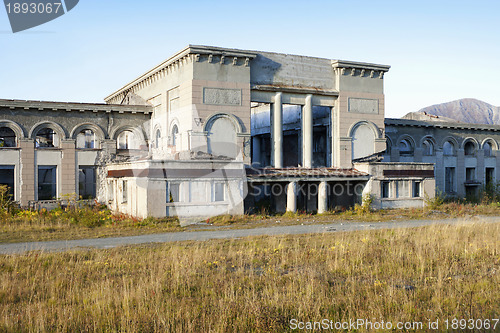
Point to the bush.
(6, 203)
(435, 202)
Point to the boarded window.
(402, 189)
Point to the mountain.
(467, 110)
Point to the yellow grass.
(257, 284)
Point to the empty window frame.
(488, 149)
(86, 140)
(47, 182)
(7, 138)
(489, 176)
(405, 148)
(46, 138)
(416, 189)
(124, 191)
(448, 148)
(428, 146)
(449, 179)
(173, 192)
(385, 189)
(470, 174)
(470, 148)
(7, 178)
(87, 182)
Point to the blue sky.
(439, 50)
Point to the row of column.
(291, 197)
(277, 132)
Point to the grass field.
(257, 284)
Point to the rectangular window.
(416, 189)
(402, 189)
(173, 191)
(490, 176)
(7, 178)
(124, 191)
(470, 174)
(47, 182)
(111, 190)
(87, 182)
(449, 179)
(218, 191)
(385, 189)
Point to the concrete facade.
(465, 155)
(188, 136)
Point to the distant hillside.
(467, 110)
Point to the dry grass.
(97, 222)
(257, 284)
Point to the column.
(256, 151)
(322, 197)
(291, 197)
(307, 133)
(277, 132)
(69, 169)
(27, 172)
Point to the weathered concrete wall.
(438, 133)
(67, 120)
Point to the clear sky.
(439, 50)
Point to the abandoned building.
(223, 131)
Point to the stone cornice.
(189, 54)
(362, 69)
(80, 107)
(448, 125)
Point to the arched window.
(488, 149)
(448, 148)
(46, 138)
(157, 138)
(428, 146)
(405, 148)
(86, 140)
(127, 140)
(175, 135)
(470, 148)
(7, 137)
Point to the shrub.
(435, 202)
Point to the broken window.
(7, 178)
(385, 189)
(46, 138)
(86, 140)
(87, 182)
(124, 191)
(449, 179)
(402, 189)
(127, 140)
(7, 138)
(428, 146)
(469, 148)
(488, 149)
(416, 188)
(157, 139)
(405, 148)
(47, 182)
(175, 135)
(470, 174)
(173, 190)
(448, 148)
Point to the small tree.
(6, 202)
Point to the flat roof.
(443, 124)
(73, 106)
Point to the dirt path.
(103, 243)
